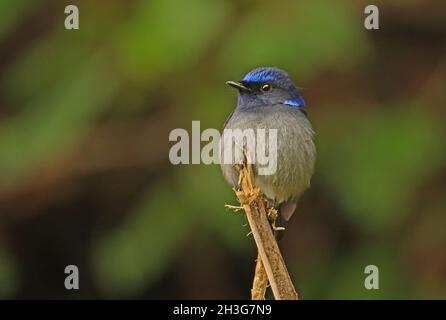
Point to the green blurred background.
(84, 172)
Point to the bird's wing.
(228, 118)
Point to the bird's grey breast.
(295, 150)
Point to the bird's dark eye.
(266, 87)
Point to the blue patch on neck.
(259, 76)
(294, 103)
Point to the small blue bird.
(268, 99)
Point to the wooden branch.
(254, 204)
(260, 282)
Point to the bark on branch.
(255, 206)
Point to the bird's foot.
(275, 228)
(248, 197)
(272, 217)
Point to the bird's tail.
(287, 208)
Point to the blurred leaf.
(12, 12)
(208, 204)
(425, 249)
(301, 37)
(129, 259)
(132, 257)
(8, 275)
(375, 166)
(56, 121)
(166, 36)
(344, 279)
(57, 55)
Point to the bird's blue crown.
(263, 75)
(272, 74)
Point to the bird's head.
(267, 86)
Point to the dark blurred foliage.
(84, 172)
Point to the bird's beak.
(238, 85)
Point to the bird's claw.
(235, 208)
(248, 198)
(272, 217)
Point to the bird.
(268, 99)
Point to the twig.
(253, 202)
(260, 282)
